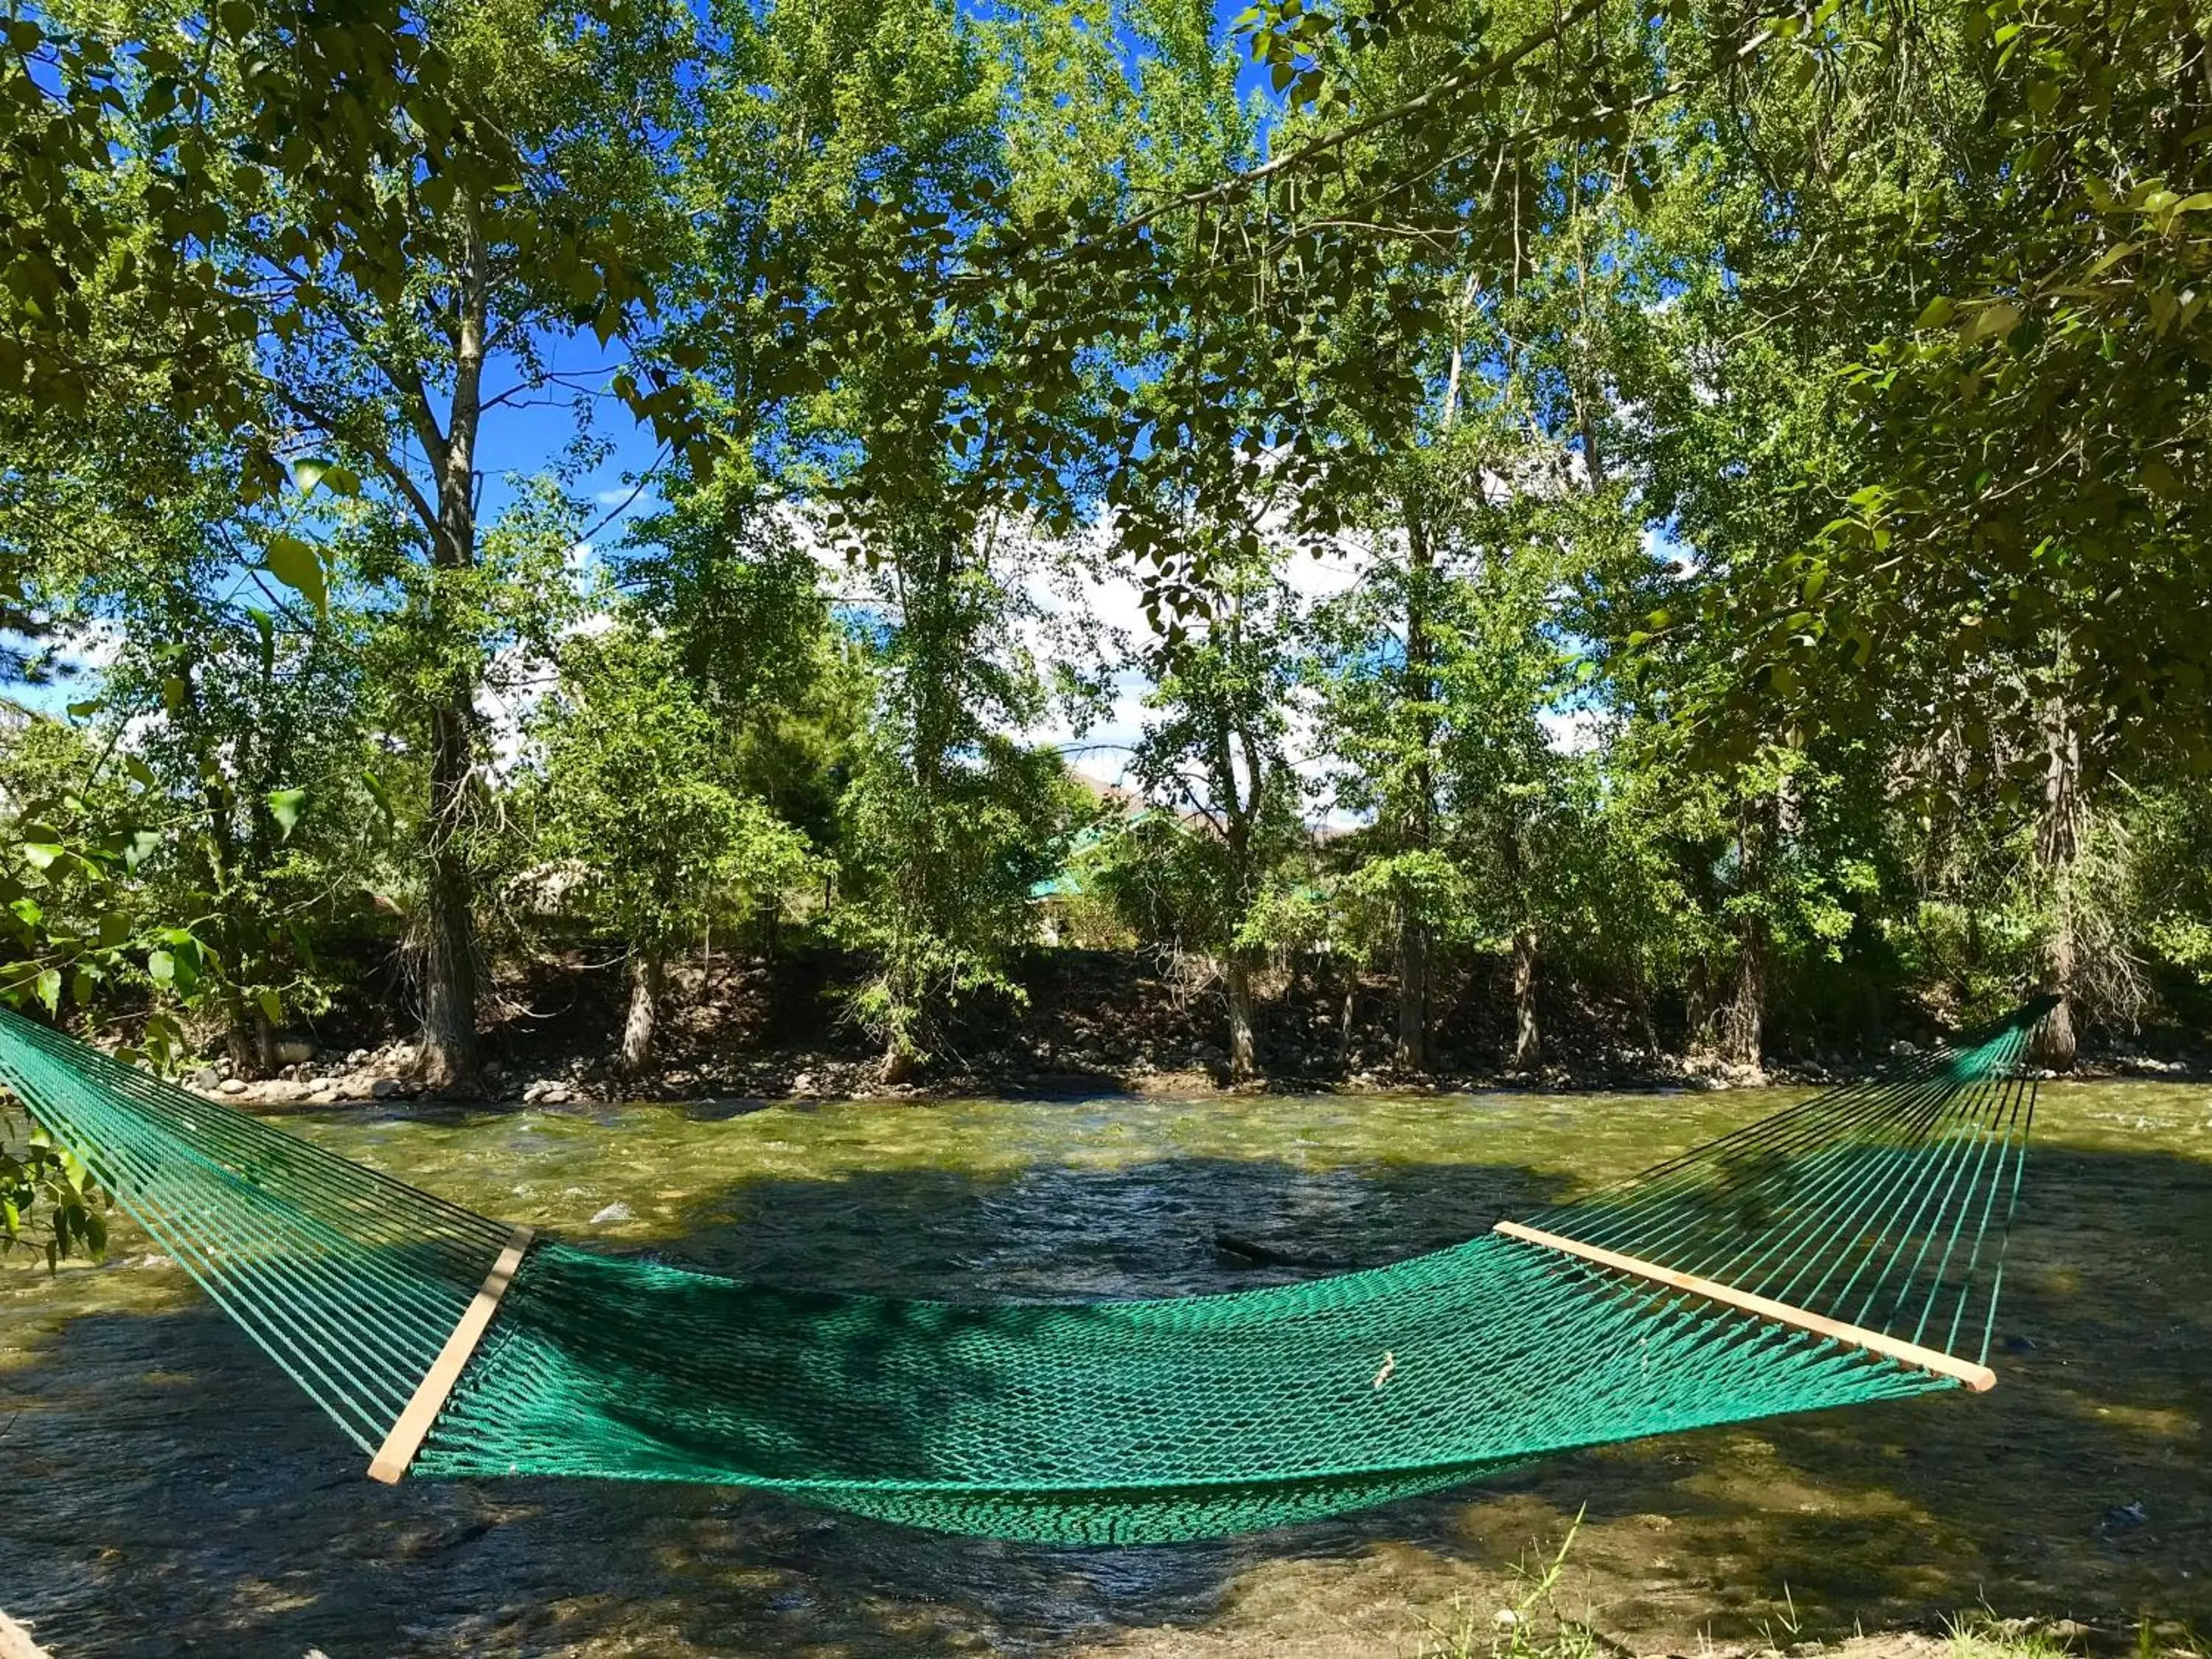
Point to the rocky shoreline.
(1080, 1022)
(388, 1074)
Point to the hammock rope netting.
(1879, 1205)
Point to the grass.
(1534, 1627)
(1982, 1634)
(1537, 1627)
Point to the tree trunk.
(1698, 1008)
(249, 1039)
(250, 1046)
(645, 981)
(2057, 1043)
(1640, 995)
(1412, 1055)
(1743, 1016)
(2058, 847)
(898, 1062)
(1527, 1035)
(1243, 1064)
(1417, 689)
(448, 1058)
(1741, 1040)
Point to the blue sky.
(531, 439)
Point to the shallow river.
(164, 1491)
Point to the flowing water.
(164, 1491)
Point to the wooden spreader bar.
(413, 1427)
(1979, 1378)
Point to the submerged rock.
(2123, 1517)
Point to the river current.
(165, 1491)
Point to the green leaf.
(2111, 256)
(308, 471)
(285, 806)
(40, 854)
(50, 989)
(161, 966)
(299, 568)
(1993, 321)
(379, 795)
(2158, 477)
(270, 1005)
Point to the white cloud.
(1571, 731)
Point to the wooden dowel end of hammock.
(1979, 1378)
(413, 1427)
(15, 1642)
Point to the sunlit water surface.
(163, 1491)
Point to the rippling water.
(164, 1491)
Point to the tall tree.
(1215, 745)
(380, 347)
(638, 799)
(951, 820)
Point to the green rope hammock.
(1846, 1249)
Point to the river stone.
(615, 1211)
(234, 1085)
(386, 1088)
(2123, 1517)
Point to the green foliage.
(1214, 748)
(74, 840)
(49, 1201)
(2170, 879)
(2012, 518)
(937, 878)
(638, 804)
(948, 824)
